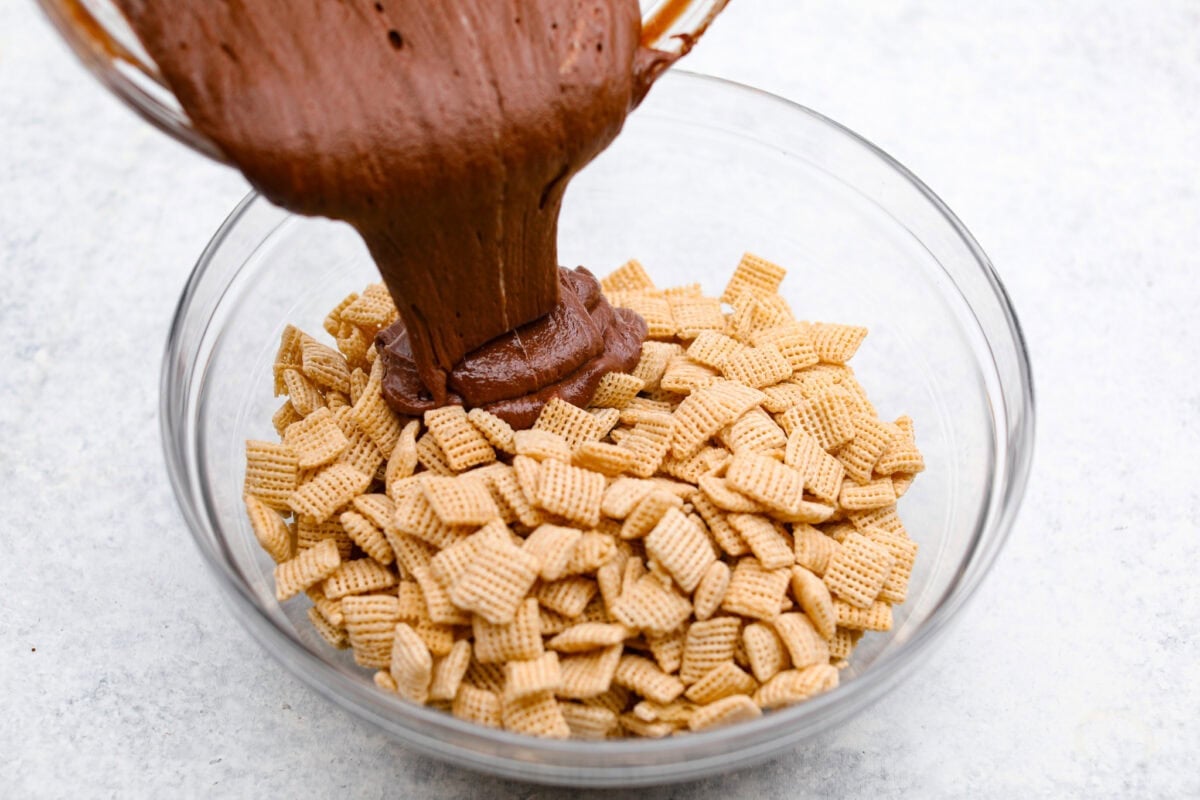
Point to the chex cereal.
(706, 541)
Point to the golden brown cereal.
(588, 675)
(629, 277)
(804, 644)
(411, 664)
(520, 639)
(458, 501)
(644, 677)
(795, 685)
(901, 454)
(309, 532)
(315, 439)
(904, 555)
(303, 394)
(813, 548)
(309, 567)
(706, 411)
(477, 705)
(879, 493)
(616, 389)
(754, 432)
(495, 585)
(754, 275)
(511, 495)
(589, 636)
(362, 454)
(859, 456)
(761, 478)
(415, 516)
(604, 457)
(757, 366)
(878, 617)
(667, 648)
(437, 599)
(728, 539)
(711, 590)
(537, 714)
(588, 722)
(374, 416)
(271, 473)
(335, 637)
(764, 538)
(646, 730)
(754, 591)
(712, 348)
(486, 676)
(285, 416)
(498, 433)
(660, 324)
(593, 549)
(648, 512)
(764, 651)
(542, 445)
(568, 596)
(884, 518)
(570, 492)
(836, 344)
(726, 711)
(552, 546)
(378, 509)
(270, 530)
(323, 365)
(815, 600)
(525, 678)
(794, 343)
(360, 576)
(367, 536)
(843, 643)
(822, 472)
(572, 423)
(372, 309)
(681, 547)
(696, 314)
(649, 440)
(653, 363)
(724, 680)
(825, 416)
(857, 571)
(649, 605)
(684, 376)
(462, 445)
(709, 643)
(332, 488)
(371, 626)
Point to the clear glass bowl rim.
(987, 542)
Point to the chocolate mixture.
(445, 132)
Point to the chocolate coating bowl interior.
(704, 170)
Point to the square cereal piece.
(754, 275)
(373, 309)
(616, 389)
(589, 723)
(804, 644)
(309, 532)
(573, 424)
(684, 376)
(542, 445)
(316, 439)
(567, 596)
(570, 492)
(411, 664)
(656, 311)
(653, 362)
(270, 529)
(860, 454)
(519, 639)
(497, 583)
(836, 344)
(525, 678)
(459, 501)
(667, 648)
(303, 394)
(858, 570)
(644, 677)
(879, 493)
(306, 569)
(651, 606)
(764, 651)
(629, 277)
(726, 711)
(901, 454)
(369, 538)
(649, 442)
(552, 546)
(604, 457)
(904, 556)
(370, 621)
(623, 495)
(761, 478)
(877, 617)
(754, 432)
(362, 454)
(694, 315)
(795, 685)
(724, 680)
(272, 473)
(755, 591)
(535, 715)
(330, 490)
(822, 472)
(711, 590)
(708, 410)
(477, 705)
(373, 415)
(461, 444)
(588, 675)
(728, 539)
(708, 644)
(415, 516)
(794, 342)
(323, 365)
(649, 510)
(757, 366)
(843, 643)
(712, 349)
(680, 547)
(449, 671)
(815, 600)
(594, 549)
(402, 463)
(360, 576)
(587, 636)
(498, 433)
(770, 545)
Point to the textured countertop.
(1065, 135)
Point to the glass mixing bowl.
(704, 170)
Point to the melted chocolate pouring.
(446, 133)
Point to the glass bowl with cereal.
(739, 544)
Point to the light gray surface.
(1066, 137)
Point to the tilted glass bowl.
(704, 170)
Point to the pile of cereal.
(709, 539)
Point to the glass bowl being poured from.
(703, 171)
